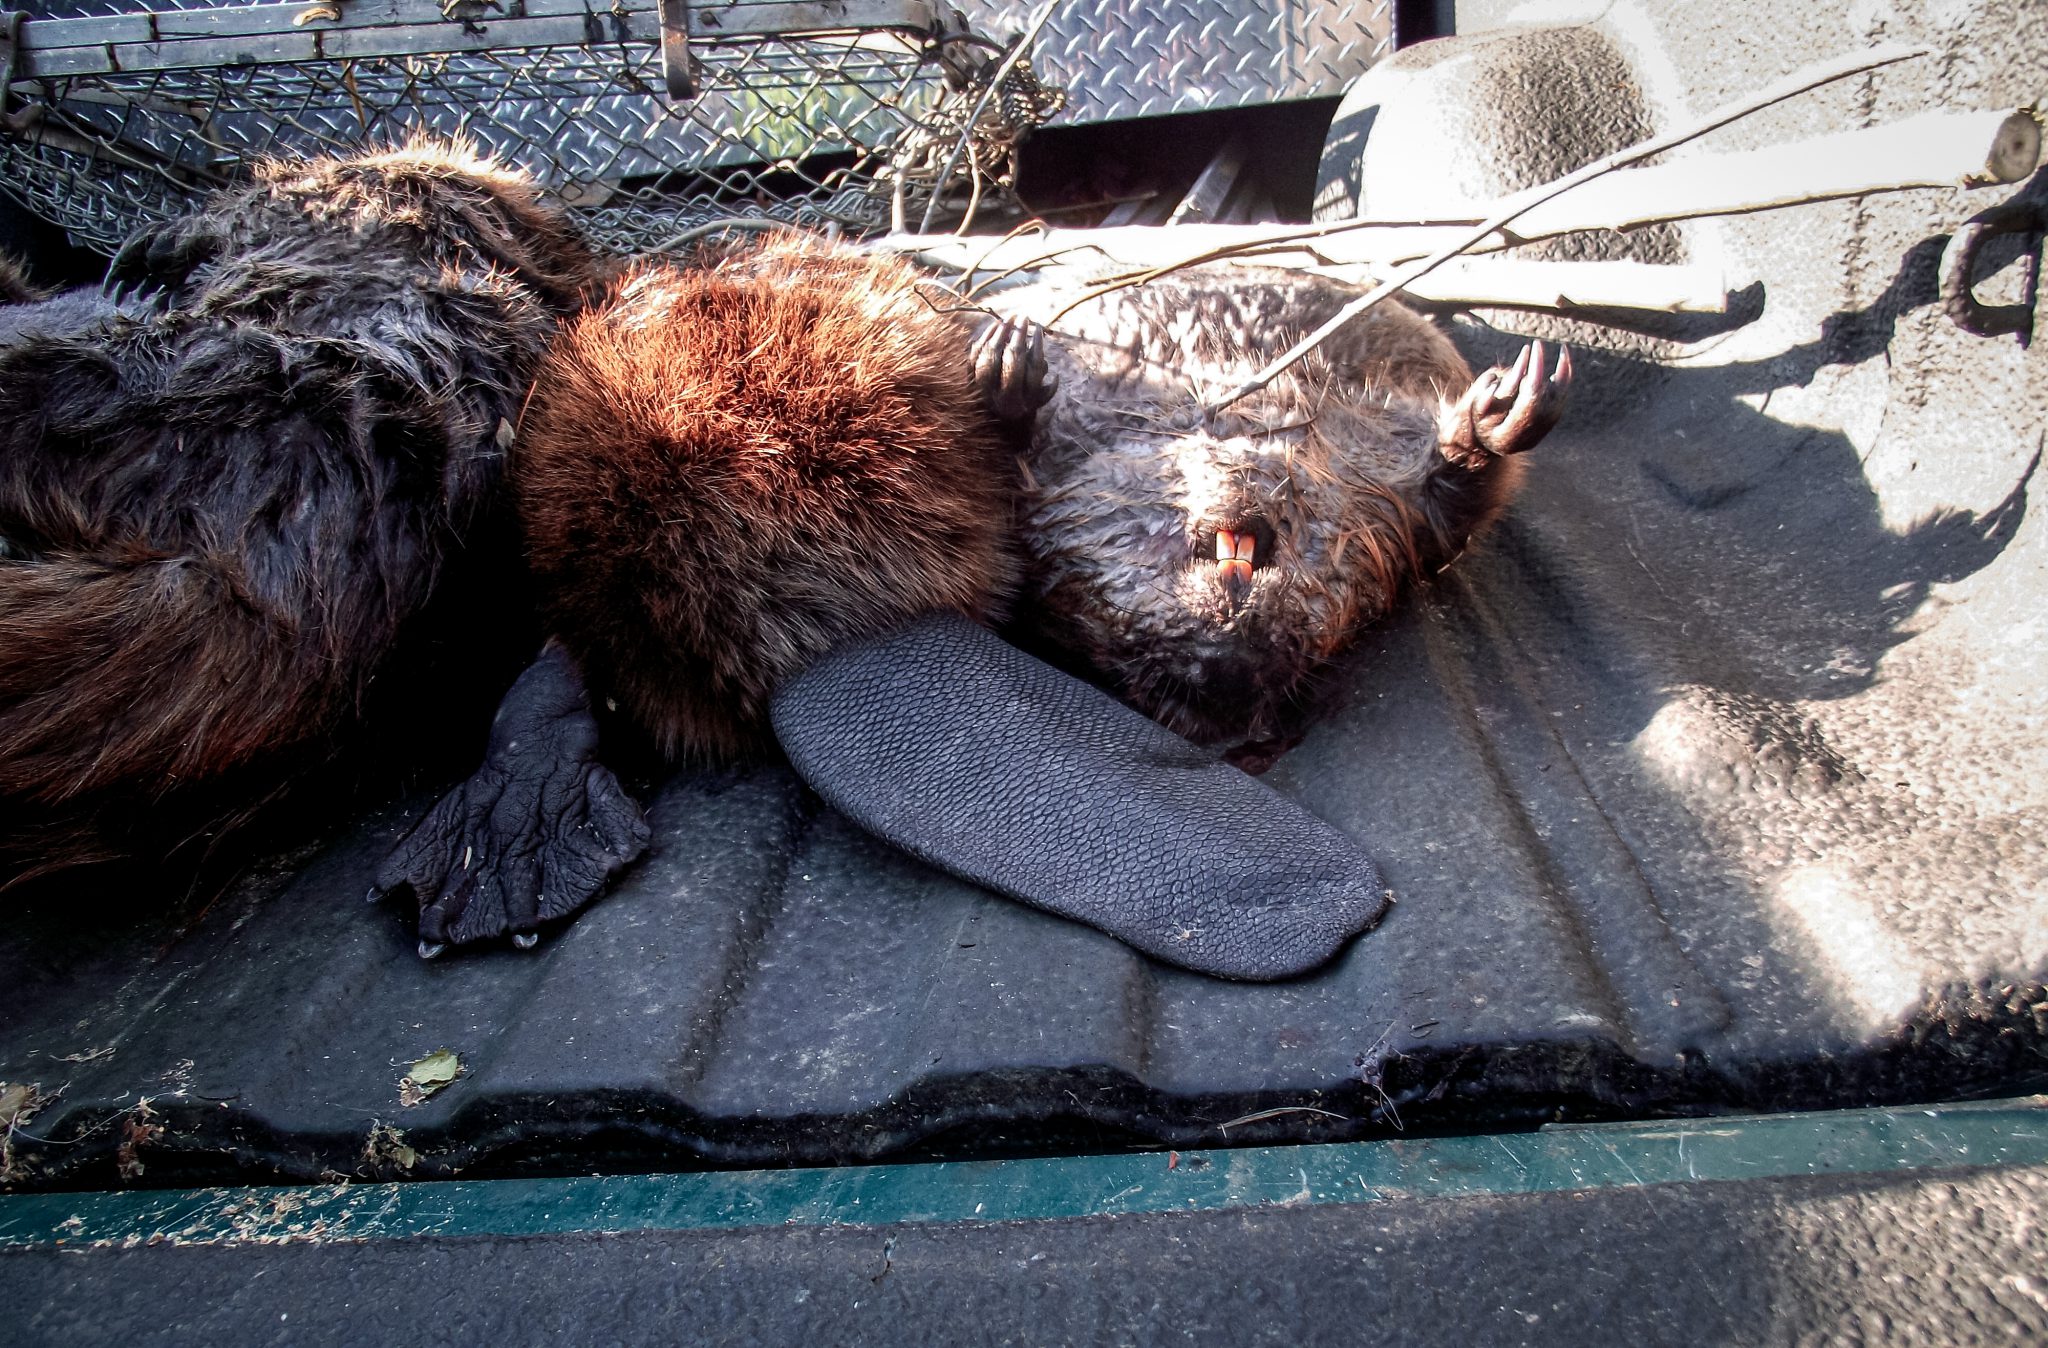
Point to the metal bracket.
(1959, 266)
(13, 123)
(676, 67)
(957, 49)
(10, 43)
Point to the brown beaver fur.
(15, 287)
(1361, 468)
(730, 468)
(223, 506)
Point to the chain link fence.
(833, 127)
(850, 113)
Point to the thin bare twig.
(1138, 278)
(968, 290)
(1799, 82)
(1284, 1110)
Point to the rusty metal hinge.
(676, 68)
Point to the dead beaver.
(770, 495)
(726, 470)
(1210, 565)
(229, 487)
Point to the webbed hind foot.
(538, 831)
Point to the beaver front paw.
(1008, 355)
(534, 835)
(159, 260)
(1508, 411)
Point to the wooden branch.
(1524, 283)
(1966, 149)
(1940, 149)
(1508, 282)
(1521, 204)
(1936, 149)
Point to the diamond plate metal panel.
(586, 119)
(562, 113)
(1142, 58)
(803, 128)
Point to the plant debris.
(387, 1146)
(1372, 1074)
(1283, 1111)
(428, 1077)
(138, 1130)
(18, 1101)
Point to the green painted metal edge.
(2009, 1132)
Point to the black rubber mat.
(773, 985)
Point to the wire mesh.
(812, 129)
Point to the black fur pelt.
(229, 492)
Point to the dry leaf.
(17, 1102)
(428, 1076)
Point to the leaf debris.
(387, 1146)
(428, 1077)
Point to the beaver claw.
(1008, 355)
(159, 260)
(534, 835)
(1508, 411)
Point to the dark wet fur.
(1346, 467)
(226, 506)
(15, 287)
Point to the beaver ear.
(975, 757)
